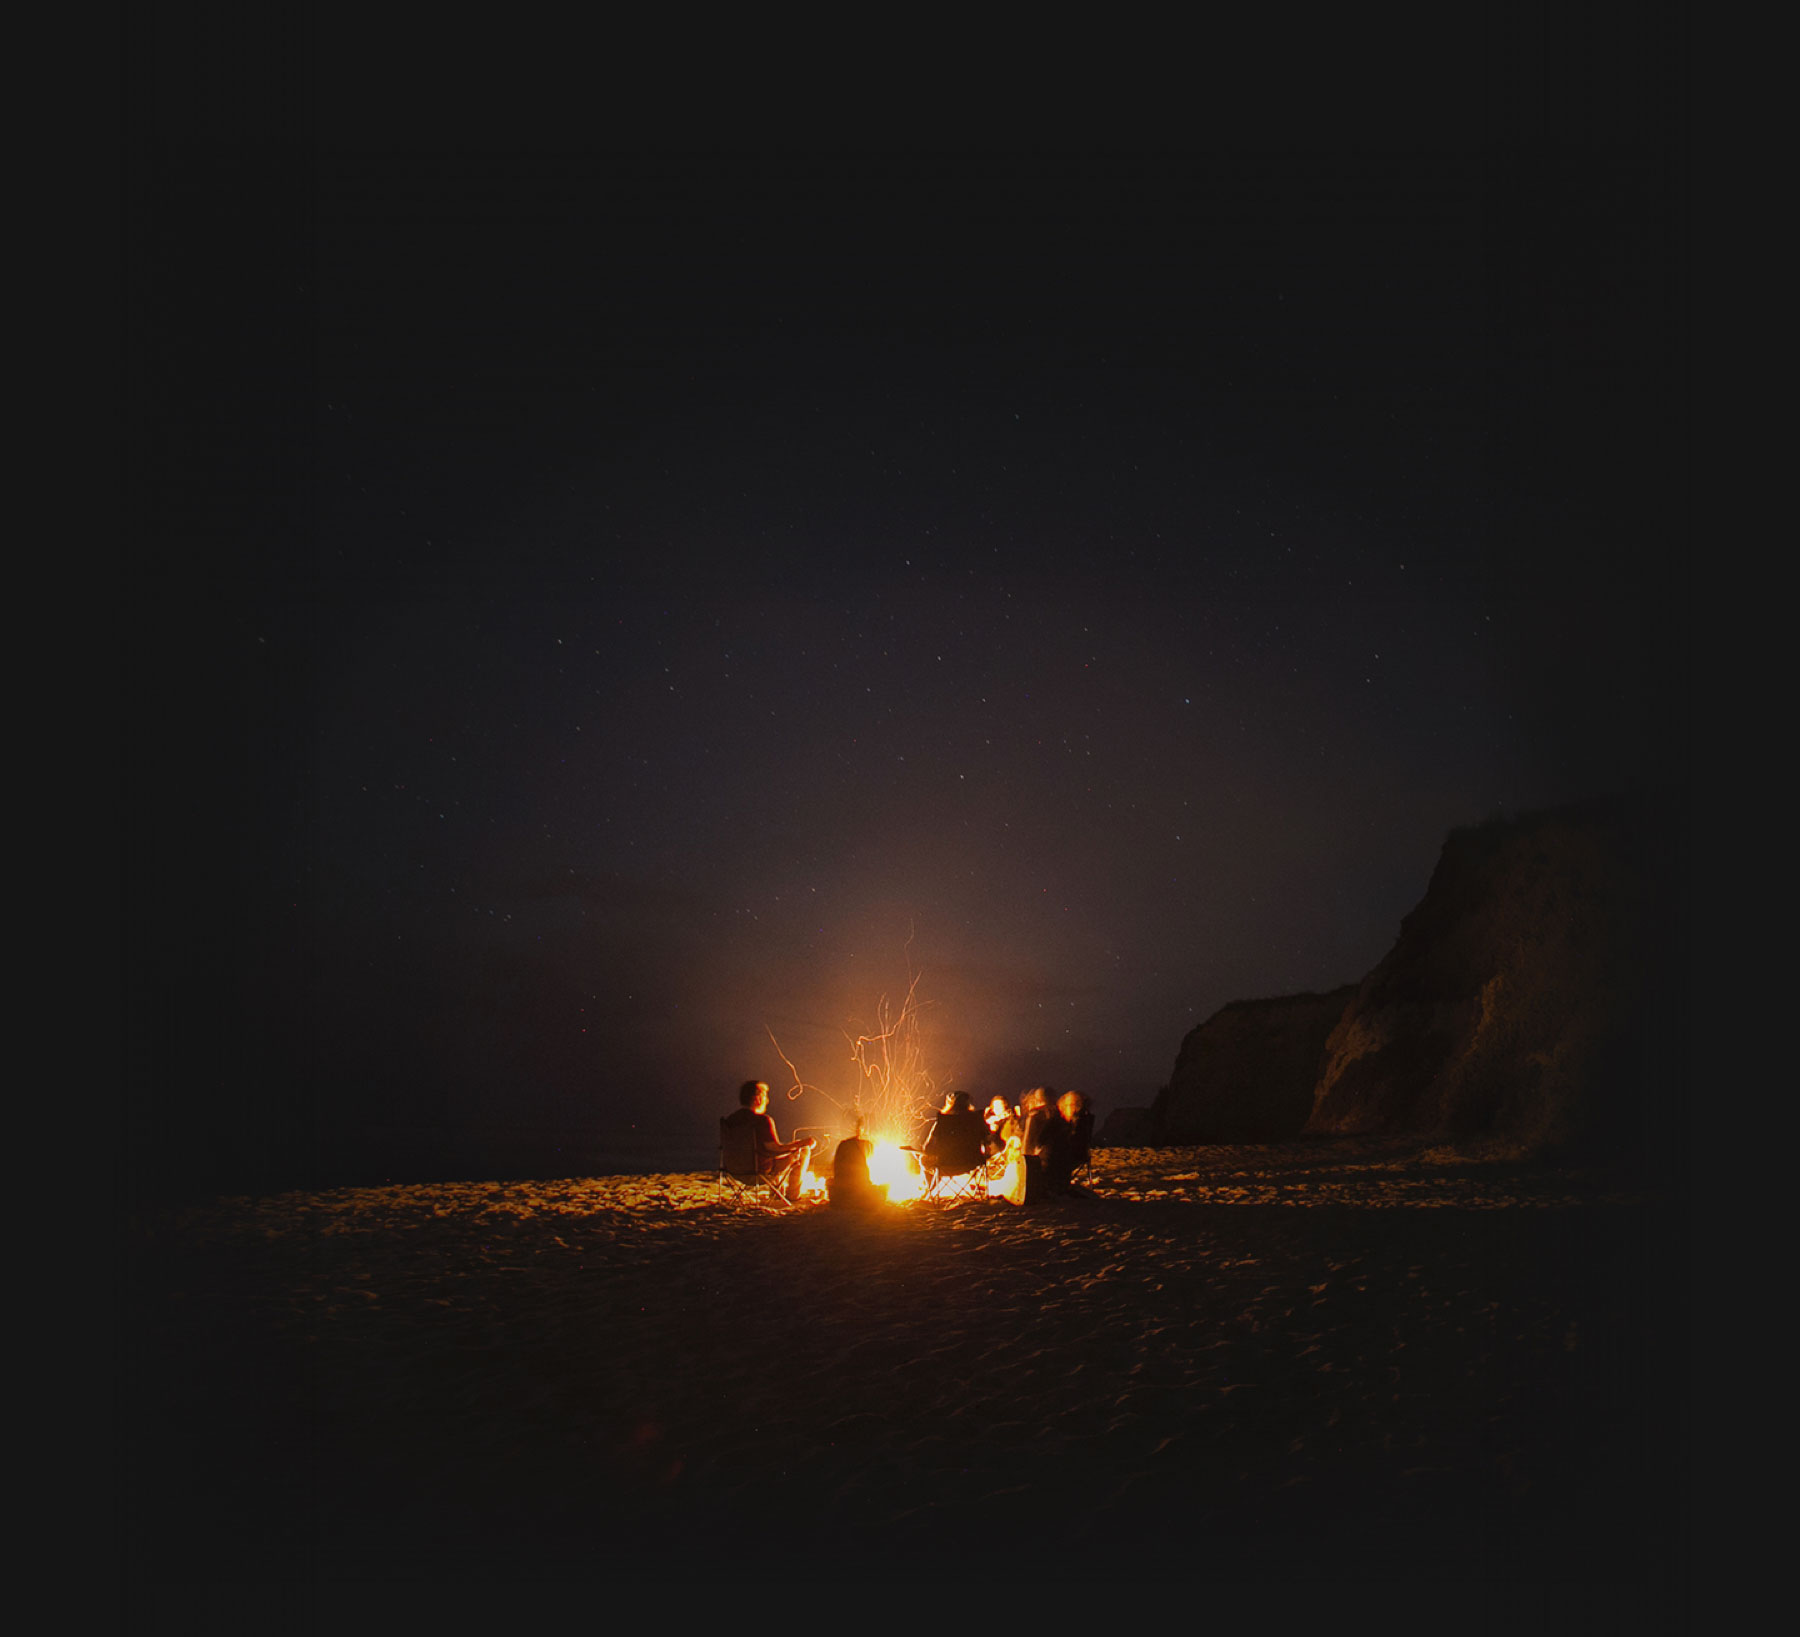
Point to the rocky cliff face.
(1248, 1073)
(1535, 995)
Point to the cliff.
(1536, 995)
(1248, 1073)
(1536, 999)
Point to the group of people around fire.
(1034, 1148)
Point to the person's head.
(1038, 1097)
(1070, 1105)
(998, 1109)
(958, 1103)
(754, 1095)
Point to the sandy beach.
(1324, 1365)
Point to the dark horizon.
(593, 607)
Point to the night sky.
(595, 601)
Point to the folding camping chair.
(738, 1174)
(957, 1168)
(970, 1184)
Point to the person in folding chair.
(955, 1150)
(751, 1149)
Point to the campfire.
(894, 1098)
(812, 1185)
(900, 1169)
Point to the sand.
(1320, 1365)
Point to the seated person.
(850, 1186)
(1002, 1122)
(1048, 1143)
(752, 1147)
(957, 1141)
(1075, 1109)
(1079, 1115)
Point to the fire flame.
(894, 1095)
(899, 1168)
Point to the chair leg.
(757, 1196)
(963, 1185)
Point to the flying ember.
(893, 1095)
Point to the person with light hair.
(1005, 1164)
(1078, 1115)
(1046, 1143)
